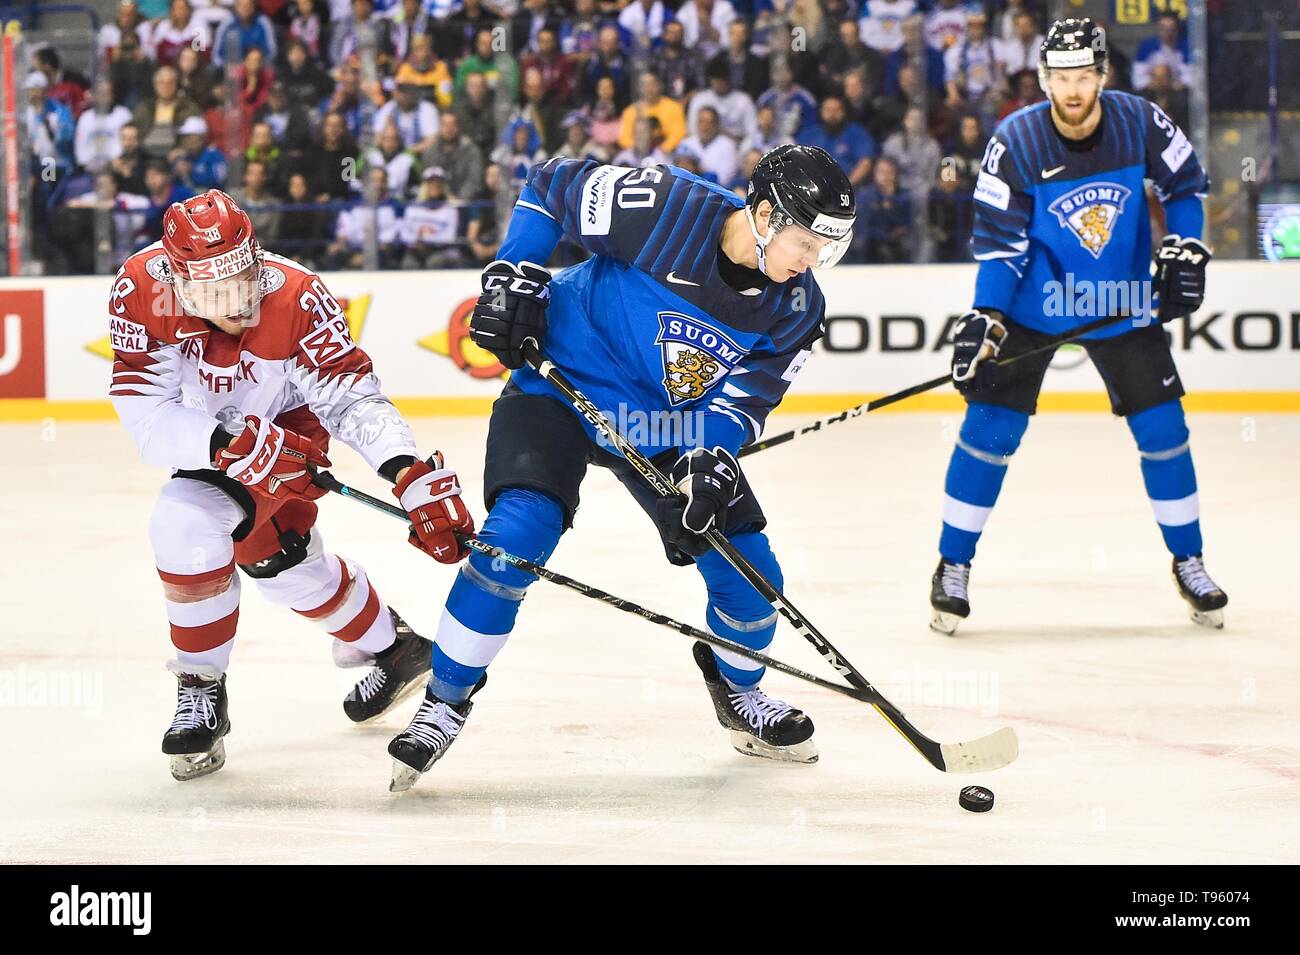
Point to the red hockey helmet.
(215, 260)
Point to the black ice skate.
(949, 603)
(435, 727)
(194, 740)
(397, 673)
(758, 724)
(1201, 593)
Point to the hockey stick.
(986, 753)
(328, 481)
(875, 404)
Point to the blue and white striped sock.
(989, 436)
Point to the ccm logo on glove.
(430, 494)
(272, 459)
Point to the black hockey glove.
(511, 310)
(708, 481)
(1180, 276)
(977, 339)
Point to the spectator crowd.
(397, 133)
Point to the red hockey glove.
(431, 495)
(273, 460)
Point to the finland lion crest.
(696, 356)
(1090, 212)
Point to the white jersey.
(176, 378)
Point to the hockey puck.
(976, 799)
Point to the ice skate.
(949, 603)
(194, 740)
(435, 727)
(758, 725)
(397, 673)
(1202, 594)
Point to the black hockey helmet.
(1072, 43)
(807, 188)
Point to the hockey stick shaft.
(328, 481)
(881, 402)
(653, 477)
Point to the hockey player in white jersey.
(233, 367)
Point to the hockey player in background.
(233, 366)
(1061, 223)
(696, 308)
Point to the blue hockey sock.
(1169, 476)
(484, 601)
(736, 610)
(989, 436)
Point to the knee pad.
(295, 549)
(522, 522)
(1160, 429)
(991, 430)
(487, 593)
(729, 592)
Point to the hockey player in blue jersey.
(695, 308)
(1061, 220)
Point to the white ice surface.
(1143, 738)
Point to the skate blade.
(1208, 618)
(187, 766)
(746, 745)
(945, 623)
(404, 777)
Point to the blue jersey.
(1054, 224)
(647, 324)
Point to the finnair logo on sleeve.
(74, 908)
(992, 191)
(597, 202)
(1176, 153)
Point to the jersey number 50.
(638, 197)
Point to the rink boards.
(886, 328)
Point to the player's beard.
(1072, 118)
